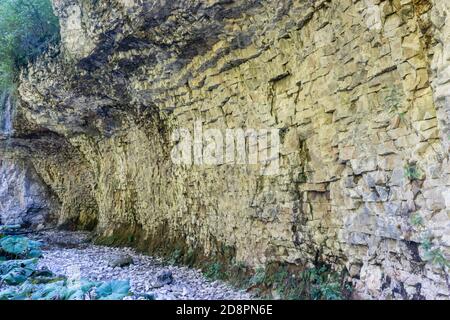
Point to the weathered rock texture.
(359, 90)
(24, 199)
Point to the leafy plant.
(175, 256)
(5, 229)
(113, 290)
(10, 294)
(394, 106)
(52, 291)
(322, 284)
(426, 244)
(436, 256)
(279, 276)
(22, 292)
(20, 247)
(14, 272)
(412, 172)
(61, 290)
(214, 271)
(9, 265)
(433, 255)
(17, 276)
(392, 101)
(259, 277)
(318, 283)
(18, 269)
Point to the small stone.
(163, 278)
(120, 261)
(354, 270)
(383, 193)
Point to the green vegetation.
(431, 253)
(392, 102)
(27, 29)
(282, 281)
(259, 277)
(276, 280)
(18, 270)
(215, 271)
(175, 256)
(413, 173)
(436, 256)
(317, 283)
(395, 104)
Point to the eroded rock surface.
(358, 90)
(24, 198)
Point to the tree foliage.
(27, 29)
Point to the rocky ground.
(72, 255)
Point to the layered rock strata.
(357, 89)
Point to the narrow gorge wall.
(24, 199)
(358, 90)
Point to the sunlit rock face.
(24, 198)
(356, 88)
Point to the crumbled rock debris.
(71, 254)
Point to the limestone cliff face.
(359, 91)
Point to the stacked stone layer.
(358, 89)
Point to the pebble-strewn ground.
(72, 255)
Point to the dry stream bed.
(71, 254)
